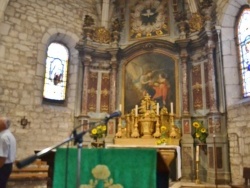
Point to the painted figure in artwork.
(161, 87)
(146, 82)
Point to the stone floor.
(194, 185)
(42, 184)
(27, 184)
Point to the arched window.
(243, 37)
(56, 73)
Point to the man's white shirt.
(7, 146)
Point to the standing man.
(7, 151)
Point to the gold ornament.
(196, 22)
(101, 35)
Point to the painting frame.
(156, 62)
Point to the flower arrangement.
(98, 131)
(163, 138)
(200, 131)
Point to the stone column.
(184, 56)
(211, 79)
(217, 142)
(187, 140)
(113, 81)
(210, 64)
(86, 63)
(105, 13)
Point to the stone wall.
(239, 139)
(28, 27)
(238, 126)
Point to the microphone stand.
(78, 140)
(32, 158)
(77, 137)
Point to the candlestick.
(172, 108)
(157, 108)
(197, 153)
(120, 107)
(136, 110)
(197, 181)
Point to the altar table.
(50, 159)
(159, 148)
(128, 168)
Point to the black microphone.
(114, 114)
(26, 161)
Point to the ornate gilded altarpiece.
(150, 83)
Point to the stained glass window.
(56, 72)
(243, 32)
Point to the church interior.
(164, 76)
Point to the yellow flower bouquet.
(98, 131)
(164, 137)
(200, 131)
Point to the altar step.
(191, 185)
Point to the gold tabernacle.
(147, 124)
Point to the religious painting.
(111, 127)
(186, 127)
(152, 74)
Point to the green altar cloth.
(106, 168)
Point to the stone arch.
(69, 39)
(227, 19)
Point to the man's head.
(4, 123)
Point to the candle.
(136, 110)
(172, 108)
(197, 153)
(157, 108)
(120, 107)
